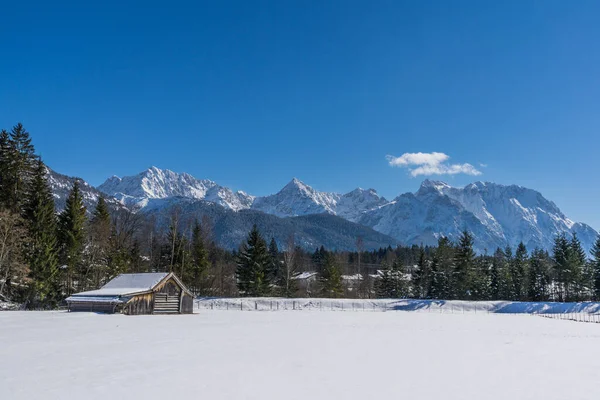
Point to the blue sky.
(253, 93)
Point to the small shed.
(136, 294)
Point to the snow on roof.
(122, 285)
(96, 299)
(304, 275)
(138, 281)
(110, 292)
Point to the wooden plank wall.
(139, 305)
(187, 304)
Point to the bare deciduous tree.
(289, 267)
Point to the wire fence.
(577, 317)
(274, 305)
(421, 306)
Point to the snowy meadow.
(308, 354)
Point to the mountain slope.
(61, 185)
(297, 198)
(497, 215)
(155, 183)
(230, 228)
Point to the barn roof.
(138, 281)
(124, 285)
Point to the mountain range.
(497, 215)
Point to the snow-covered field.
(297, 355)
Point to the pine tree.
(464, 263)
(498, 261)
(72, 238)
(392, 284)
(330, 278)
(596, 268)
(517, 271)
(577, 264)
(400, 284)
(318, 258)
(421, 277)
(561, 257)
(42, 252)
(538, 278)
(274, 267)
(19, 162)
(253, 265)
(101, 214)
(200, 263)
(481, 279)
(4, 168)
(383, 285)
(506, 286)
(442, 269)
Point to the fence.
(582, 312)
(577, 317)
(293, 305)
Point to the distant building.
(306, 283)
(135, 294)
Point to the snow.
(122, 285)
(297, 355)
(140, 281)
(305, 275)
(7, 305)
(110, 292)
(156, 183)
(295, 199)
(99, 296)
(497, 215)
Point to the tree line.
(47, 255)
(446, 271)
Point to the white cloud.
(431, 164)
(418, 159)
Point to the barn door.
(166, 304)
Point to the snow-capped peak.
(428, 185)
(156, 183)
(297, 198)
(497, 215)
(297, 184)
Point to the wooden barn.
(136, 294)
